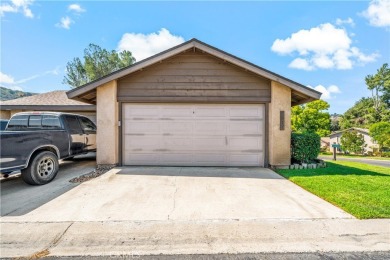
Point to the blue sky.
(330, 46)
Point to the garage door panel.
(247, 159)
(150, 142)
(193, 135)
(205, 128)
(210, 112)
(176, 143)
(177, 127)
(210, 143)
(144, 127)
(176, 158)
(244, 128)
(246, 112)
(244, 143)
(177, 112)
(210, 158)
(141, 159)
(141, 111)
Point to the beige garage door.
(193, 135)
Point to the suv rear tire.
(42, 169)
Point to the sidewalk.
(192, 237)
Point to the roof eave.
(50, 107)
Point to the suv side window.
(35, 121)
(73, 125)
(18, 123)
(87, 125)
(51, 122)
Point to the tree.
(380, 132)
(379, 84)
(352, 141)
(363, 114)
(311, 117)
(97, 63)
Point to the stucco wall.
(279, 140)
(5, 114)
(107, 123)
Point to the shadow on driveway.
(209, 172)
(19, 198)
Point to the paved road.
(384, 163)
(262, 256)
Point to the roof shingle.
(53, 98)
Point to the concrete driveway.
(182, 194)
(137, 211)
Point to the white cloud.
(146, 45)
(4, 78)
(299, 63)
(327, 91)
(378, 13)
(9, 82)
(65, 22)
(348, 21)
(323, 47)
(16, 6)
(76, 8)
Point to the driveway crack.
(174, 197)
(45, 252)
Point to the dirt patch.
(100, 169)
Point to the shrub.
(385, 154)
(305, 147)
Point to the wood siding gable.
(194, 76)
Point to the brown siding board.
(194, 72)
(245, 100)
(191, 77)
(195, 85)
(197, 92)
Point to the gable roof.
(300, 93)
(47, 101)
(360, 130)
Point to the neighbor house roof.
(325, 139)
(54, 100)
(361, 130)
(300, 93)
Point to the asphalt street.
(262, 256)
(384, 163)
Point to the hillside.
(7, 94)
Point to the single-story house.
(371, 145)
(325, 143)
(56, 101)
(194, 105)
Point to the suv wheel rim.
(45, 167)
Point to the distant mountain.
(8, 94)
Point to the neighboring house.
(325, 143)
(194, 105)
(52, 101)
(372, 146)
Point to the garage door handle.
(226, 140)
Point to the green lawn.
(360, 189)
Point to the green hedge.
(305, 147)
